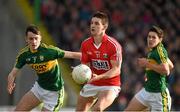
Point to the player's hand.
(94, 78)
(11, 85)
(142, 62)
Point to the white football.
(81, 74)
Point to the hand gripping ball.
(81, 74)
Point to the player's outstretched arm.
(74, 55)
(10, 81)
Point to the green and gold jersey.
(44, 62)
(156, 82)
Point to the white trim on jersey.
(118, 49)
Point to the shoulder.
(113, 42)
(87, 41)
(161, 53)
(23, 51)
(43, 45)
(161, 49)
(49, 47)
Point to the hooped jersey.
(156, 82)
(99, 58)
(44, 62)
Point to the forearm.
(11, 77)
(162, 68)
(111, 73)
(171, 65)
(14, 72)
(77, 55)
(74, 55)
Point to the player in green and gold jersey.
(49, 88)
(155, 94)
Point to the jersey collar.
(34, 51)
(104, 38)
(160, 44)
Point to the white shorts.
(52, 100)
(92, 91)
(160, 101)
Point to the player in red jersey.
(103, 54)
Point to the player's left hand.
(142, 62)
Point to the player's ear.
(105, 26)
(40, 37)
(26, 39)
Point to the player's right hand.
(11, 85)
(94, 78)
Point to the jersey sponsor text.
(100, 64)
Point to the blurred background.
(65, 23)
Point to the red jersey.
(99, 58)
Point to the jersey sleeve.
(116, 53)
(84, 57)
(162, 54)
(59, 52)
(20, 61)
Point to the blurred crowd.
(68, 22)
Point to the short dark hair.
(103, 16)
(33, 28)
(158, 30)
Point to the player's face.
(33, 40)
(153, 40)
(96, 26)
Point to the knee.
(97, 108)
(126, 110)
(78, 109)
